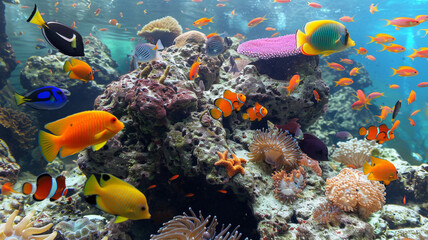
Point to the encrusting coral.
(24, 230)
(18, 129)
(354, 152)
(183, 227)
(287, 186)
(352, 191)
(233, 166)
(166, 29)
(279, 149)
(192, 37)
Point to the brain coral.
(192, 37)
(24, 230)
(352, 191)
(166, 29)
(277, 148)
(354, 152)
(287, 186)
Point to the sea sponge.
(166, 29)
(279, 149)
(354, 152)
(287, 186)
(192, 37)
(24, 230)
(352, 191)
(18, 130)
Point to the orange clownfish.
(74, 133)
(78, 70)
(381, 134)
(194, 69)
(257, 112)
(380, 170)
(7, 188)
(230, 101)
(46, 187)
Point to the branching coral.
(24, 230)
(327, 213)
(185, 227)
(233, 165)
(192, 37)
(287, 186)
(166, 29)
(354, 152)
(19, 126)
(277, 148)
(352, 191)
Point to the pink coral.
(266, 48)
(309, 162)
(287, 186)
(352, 191)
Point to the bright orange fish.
(56, 4)
(221, 5)
(421, 52)
(194, 69)
(422, 84)
(344, 82)
(275, 34)
(189, 195)
(394, 86)
(373, 8)
(46, 187)
(256, 21)
(151, 187)
(347, 61)
(347, 19)
(380, 170)
(270, 29)
(114, 23)
(395, 48)
(230, 101)
(78, 70)
(335, 66)
(401, 22)
(412, 122)
(281, 1)
(222, 191)
(361, 51)
(257, 112)
(140, 2)
(232, 13)
(202, 22)
(294, 82)
(74, 133)
(415, 112)
(74, 5)
(382, 38)
(412, 97)
(370, 57)
(314, 5)
(354, 71)
(382, 115)
(212, 34)
(7, 188)
(174, 177)
(316, 95)
(405, 71)
(404, 200)
(102, 29)
(381, 134)
(362, 98)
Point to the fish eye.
(58, 92)
(143, 208)
(113, 120)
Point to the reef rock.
(7, 55)
(9, 169)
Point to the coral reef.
(7, 55)
(166, 29)
(352, 191)
(9, 169)
(185, 226)
(288, 186)
(309, 162)
(354, 152)
(233, 165)
(278, 149)
(82, 229)
(327, 213)
(267, 48)
(190, 37)
(24, 230)
(17, 129)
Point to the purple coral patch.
(267, 48)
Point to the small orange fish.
(151, 187)
(174, 177)
(56, 4)
(222, 191)
(212, 34)
(194, 69)
(187, 29)
(230, 101)
(354, 71)
(373, 8)
(275, 34)
(40, 40)
(232, 13)
(281, 1)
(96, 70)
(382, 115)
(17, 61)
(257, 112)
(50, 70)
(347, 19)
(412, 122)
(415, 112)
(380, 170)
(381, 38)
(335, 66)
(404, 200)
(189, 195)
(202, 22)
(114, 22)
(344, 82)
(362, 98)
(132, 39)
(412, 97)
(239, 36)
(220, 5)
(102, 29)
(394, 86)
(405, 71)
(314, 5)
(78, 69)
(370, 57)
(401, 22)
(87, 42)
(140, 2)
(73, 25)
(351, 166)
(23, 7)
(97, 12)
(422, 53)
(7, 188)
(256, 21)
(395, 48)
(361, 51)
(270, 29)
(316, 95)
(74, 5)
(294, 82)
(347, 61)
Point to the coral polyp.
(327, 213)
(287, 186)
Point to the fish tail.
(289, 90)
(366, 168)
(264, 17)
(358, 51)
(36, 17)
(211, 19)
(413, 55)
(387, 21)
(395, 72)
(384, 47)
(48, 145)
(362, 131)
(245, 116)
(19, 99)
(300, 39)
(337, 83)
(215, 113)
(371, 38)
(67, 66)
(92, 186)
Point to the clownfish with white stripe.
(381, 134)
(230, 101)
(46, 187)
(257, 112)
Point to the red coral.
(287, 186)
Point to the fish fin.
(245, 116)
(158, 56)
(387, 22)
(371, 39)
(100, 135)
(19, 99)
(108, 179)
(362, 131)
(309, 50)
(74, 42)
(65, 151)
(215, 113)
(120, 219)
(98, 146)
(75, 62)
(395, 72)
(413, 55)
(211, 19)
(60, 126)
(300, 39)
(366, 168)
(36, 17)
(48, 145)
(72, 75)
(92, 185)
(159, 45)
(371, 177)
(386, 182)
(67, 66)
(229, 94)
(384, 47)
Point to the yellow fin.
(76, 62)
(48, 145)
(366, 168)
(120, 219)
(300, 39)
(308, 49)
(19, 99)
(92, 187)
(98, 146)
(100, 135)
(73, 42)
(65, 152)
(72, 75)
(60, 126)
(372, 177)
(67, 66)
(36, 18)
(108, 179)
(386, 182)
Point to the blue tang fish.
(45, 98)
(146, 52)
(215, 46)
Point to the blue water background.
(285, 17)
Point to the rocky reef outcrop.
(9, 169)
(7, 55)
